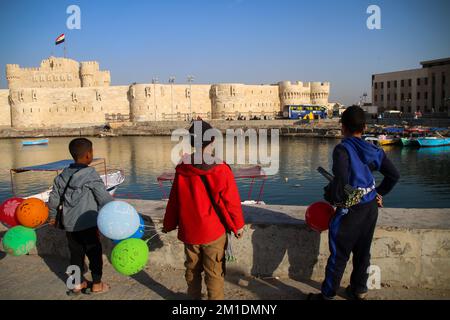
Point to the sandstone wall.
(59, 107)
(156, 102)
(5, 113)
(238, 99)
(57, 72)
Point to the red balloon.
(318, 215)
(8, 212)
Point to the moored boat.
(111, 178)
(433, 141)
(384, 140)
(409, 142)
(35, 142)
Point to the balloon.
(118, 220)
(130, 256)
(32, 212)
(8, 212)
(19, 240)
(318, 215)
(139, 233)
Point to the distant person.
(77, 195)
(204, 204)
(351, 230)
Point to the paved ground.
(32, 277)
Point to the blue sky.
(247, 41)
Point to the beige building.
(63, 92)
(426, 90)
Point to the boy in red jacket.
(204, 203)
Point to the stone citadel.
(63, 92)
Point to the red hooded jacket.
(190, 207)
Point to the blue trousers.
(350, 233)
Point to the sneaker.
(351, 295)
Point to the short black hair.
(79, 147)
(354, 119)
(205, 127)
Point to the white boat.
(111, 178)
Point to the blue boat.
(35, 142)
(433, 141)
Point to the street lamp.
(155, 80)
(190, 79)
(171, 81)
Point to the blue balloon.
(118, 220)
(138, 234)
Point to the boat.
(111, 178)
(252, 173)
(35, 142)
(371, 139)
(385, 140)
(409, 142)
(433, 141)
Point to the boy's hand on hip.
(240, 233)
(380, 201)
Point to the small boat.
(385, 140)
(371, 139)
(111, 178)
(433, 141)
(409, 142)
(35, 142)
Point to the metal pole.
(190, 79)
(171, 81)
(65, 49)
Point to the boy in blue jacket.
(351, 229)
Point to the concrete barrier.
(411, 246)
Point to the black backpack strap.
(214, 204)
(58, 219)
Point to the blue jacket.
(364, 158)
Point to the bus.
(306, 111)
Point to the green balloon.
(19, 240)
(130, 256)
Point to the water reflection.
(425, 172)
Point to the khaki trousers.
(209, 258)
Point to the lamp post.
(171, 81)
(190, 79)
(154, 81)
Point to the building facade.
(64, 92)
(426, 89)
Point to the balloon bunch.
(22, 216)
(120, 222)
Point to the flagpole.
(65, 49)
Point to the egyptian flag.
(60, 39)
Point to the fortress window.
(31, 110)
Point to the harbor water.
(425, 172)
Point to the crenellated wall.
(320, 92)
(62, 92)
(57, 72)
